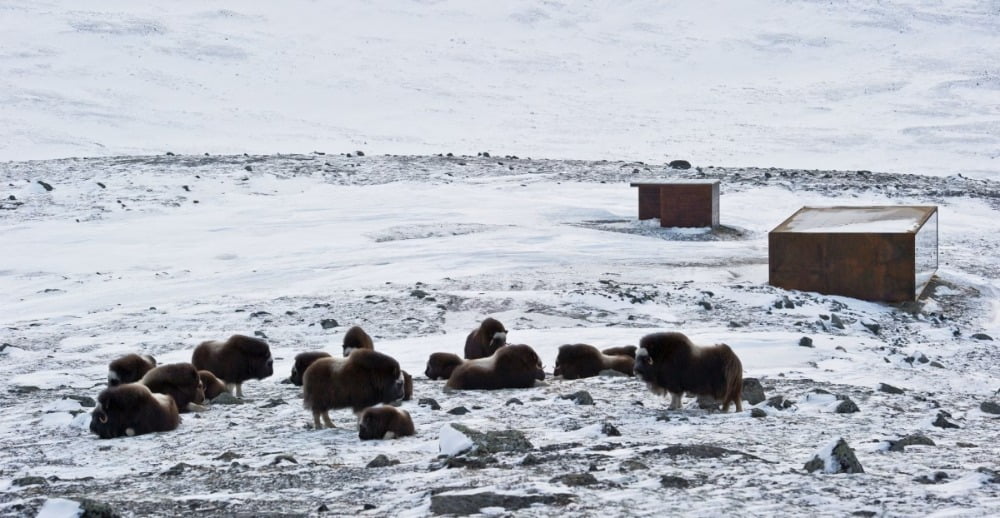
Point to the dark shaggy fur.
(407, 386)
(180, 381)
(577, 361)
(356, 338)
(485, 340)
(363, 379)
(670, 363)
(302, 362)
(129, 368)
(238, 359)
(513, 366)
(625, 350)
(132, 409)
(384, 422)
(441, 365)
(213, 386)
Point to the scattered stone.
(581, 397)
(664, 416)
(229, 456)
(961, 444)
(359, 153)
(679, 164)
(805, 341)
(495, 441)
(575, 479)
(994, 476)
(872, 326)
(674, 482)
(48, 187)
(513, 401)
(936, 365)
(426, 401)
(368, 507)
(465, 504)
(910, 440)
(419, 294)
(938, 478)
(469, 463)
(94, 509)
(753, 391)
(176, 470)
(705, 304)
(260, 334)
(85, 401)
(941, 421)
(846, 406)
(990, 407)
(461, 410)
(248, 168)
(889, 389)
(702, 451)
(283, 458)
(227, 399)
(835, 321)
(610, 430)
(271, 403)
(757, 412)
(531, 460)
(983, 336)
(381, 461)
(780, 402)
(322, 509)
(835, 458)
(328, 323)
(258, 314)
(102, 186)
(30, 481)
(630, 465)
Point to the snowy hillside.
(908, 86)
(154, 254)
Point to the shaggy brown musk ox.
(132, 409)
(384, 422)
(441, 365)
(483, 341)
(302, 362)
(234, 361)
(180, 381)
(576, 361)
(213, 386)
(363, 379)
(625, 350)
(129, 368)
(670, 364)
(356, 338)
(512, 366)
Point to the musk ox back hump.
(238, 359)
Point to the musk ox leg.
(130, 432)
(239, 390)
(739, 405)
(675, 401)
(389, 435)
(326, 419)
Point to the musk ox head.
(132, 409)
(180, 381)
(356, 338)
(129, 368)
(302, 362)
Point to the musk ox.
(129, 368)
(356, 338)
(238, 359)
(512, 366)
(302, 362)
(441, 365)
(213, 386)
(407, 386)
(576, 361)
(670, 364)
(180, 381)
(625, 350)
(384, 422)
(363, 379)
(485, 339)
(132, 409)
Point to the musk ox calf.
(129, 368)
(180, 381)
(213, 387)
(234, 361)
(441, 365)
(132, 409)
(356, 338)
(625, 350)
(384, 422)
(363, 379)
(485, 339)
(512, 366)
(576, 361)
(670, 364)
(302, 362)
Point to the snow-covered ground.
(901, 86)
(154, 254)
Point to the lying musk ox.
(363, 379)
(213, 387)
(512, 366)
(238, 359)
(129, 368)
(485, 339)
(384, 422)
(625, 350)
(576, 361)
(441, 365)
(132, 409)
(670, 364)
(302, 362)
(356, 338)
(180, 381)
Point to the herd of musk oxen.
(143, 397)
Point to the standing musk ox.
(180, 381)
(132, 409)
(356, 338)
(129, 368)
(384, 422)
(577, 361)
(670, 364)
(441, 365)
(625, 350)
(238, 359)
(512, 366)
(485, 340)
(213, 386)
(302, 362)
(363, 379)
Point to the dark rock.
(990, 407)
(495, 441)
(322, 509)
(705, 304)
(48, 187)
(227, 399)
(938, 478)
(419, 294)
(679, 164)
(673, 482)
(460, 410)
(258, 314)
(842, 459)
(994, 476)
(513, 401)
(273, 402)
(630, 465)
(581, 397)
(229, 456)
(368, 507)
(936, 365)
(469, 462)
(805, 341)
(531, 460)
(872, 326)
(835, 321)
(93, 509)
(941, 421)
(702, 451)
(610, 430)
(328, 323)
(865, 514)
(982, 336)
(283, 458)
(381, 461)
(176, 470)
(465, 504)
(756, 412)
(426, 401)
(846, 406)
(248, 168)
(85, 401)
(575, 479)
(260, 334)
(12, 198)
(910, 440)
(102, 186)
(30, 481)
(753, 391)
(889, 389)
(359, 153)
(780, 402)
